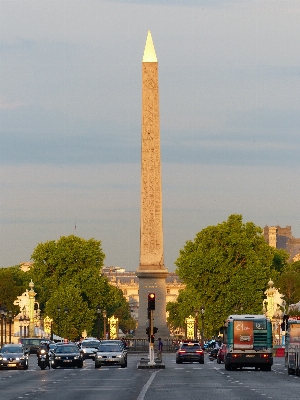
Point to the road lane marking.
(141, 396)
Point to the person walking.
(160, 348)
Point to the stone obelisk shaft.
(151, 272)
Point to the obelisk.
(151, 272)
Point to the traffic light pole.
(151, 341)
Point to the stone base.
(144, 364)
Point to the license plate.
(250, 355)
(109, 359)
(67, 360)
(12, 365)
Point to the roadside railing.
(142, 345)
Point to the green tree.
(13, 282)
(67, 273)
(225, 268)
(288, 283)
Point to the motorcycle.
(213, 354)
(43, 359)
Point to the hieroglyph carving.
(151, 194)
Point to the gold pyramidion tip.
(149, 53)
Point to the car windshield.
(90, 344)
(190, 347)
(66, 349)
(105, 348)
(12, 350)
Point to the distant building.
(282, 238)
(25, 266)
(128, 282)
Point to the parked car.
(110, 354)
(88, 348)
(13, 356)
(190, 352)
(66, 355)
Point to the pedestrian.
(160, 348)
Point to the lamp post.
(66, 310)
(10, 322)
(5, 318)
(21, 326)
(104, 323)
(58, 320)
(196, 322)
(2, 315)
(202, 325)
(98, 320)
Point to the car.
(13, 356)
(190, 352)
(89, 348)
(32, 344)
(66, 355)
(110, 354)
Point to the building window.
(125, 292)
(168, 291)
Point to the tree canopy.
(225, 269)
(67, 277)
(13, 282)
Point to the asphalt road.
(185, 381)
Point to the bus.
(248, 342)
(292, 344)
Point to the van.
(31, 344)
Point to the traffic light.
(151, 301)
(155, 330)
(152, 339)
(148, 331)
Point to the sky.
(70, 120)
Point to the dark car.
(89, 348)
(13, 356)
(110, 354)
(190, 352)
(66, 355)
(32, 344)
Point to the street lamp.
(98, 320)
(58, 320)
(202, 325)
(10, 322)
(196, 323)
(104, 323)
(66, 310)
(2, 312)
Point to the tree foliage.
(67, 274)
(13, 282)
(288, 283)
(226, 269)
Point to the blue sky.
(70, 109)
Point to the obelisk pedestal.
(151, 272)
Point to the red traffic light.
(151, 301)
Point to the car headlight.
(119, 356)
(22, 358)
(57, 358)
(1, 358)
(76, 357)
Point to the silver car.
(110, 354)
(13, 356)
(88, 348)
